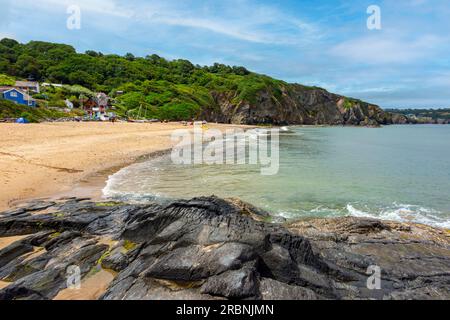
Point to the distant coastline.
(425, 116)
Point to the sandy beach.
(184, 249)
(51, 159)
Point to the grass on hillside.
(9, 109)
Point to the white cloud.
(387, 49)
(246, 22)
(7, 35)
(101, 7)
(439, 79)
(215, 26)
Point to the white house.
(26, 86)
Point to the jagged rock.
(38, 285)
(43, 276)
(13, 212)
(200, 262)
(414, 259)
(275, 290)
(38, 205)
(52, 277)
(209, 248)
(117, 259)
(249, 209)
(13, 251)
(235, 284)
(296, 104)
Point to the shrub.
(176, 111)
(28, 116)
(6, 80)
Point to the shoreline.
(92, 185)
(225, 249)
(89, 183)
(51, 160)
(102, 233)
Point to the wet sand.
(6, 241)
(73, 159)
(91, 288)
(4, 284)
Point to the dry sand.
(48, 159)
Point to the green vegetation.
(55, 97)
(350, 103)
(142, 87)
(128, 245)
(6, 80)
(108, 204)
(103, 257)
(54, 235)
(424, 113)
(9, 109)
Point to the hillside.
(10, 110)
(425, 115)
(178, 90)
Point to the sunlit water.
(396, 173)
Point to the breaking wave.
(324, 172)
(402, 213)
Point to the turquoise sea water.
(395, 172)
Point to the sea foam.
(402, 213)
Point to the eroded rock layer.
(295, 104)
(209, 248)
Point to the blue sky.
(321, 42)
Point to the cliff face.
(297, 104)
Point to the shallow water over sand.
(395, 173)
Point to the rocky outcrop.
(209, 248)
(297, 104)
(414, 259)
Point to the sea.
(399, 173)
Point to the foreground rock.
(208, 248)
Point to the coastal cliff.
(291, 104)
(152, 87)
(209, 248)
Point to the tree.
(4, 65)
(177, 111)
(157, 60)
(10, 43)
(130, 57)
(28, 66)
(241, 71)
(132, 100)
(174, 89)
(82, 78)
(94, 54)
(6, 80)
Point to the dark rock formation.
(414, 259)
(209, 248)
(297, 104)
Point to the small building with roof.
(17, 96)
(26, 86)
